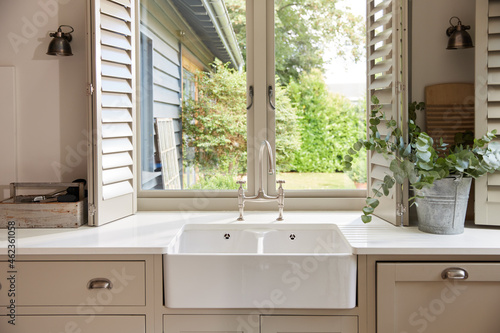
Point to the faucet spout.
(265, 144)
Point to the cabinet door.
(303, 324)
(211, 323)
(438, 297)
(80, 324)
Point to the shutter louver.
(385, 58)
(114, 110)
(487, 104)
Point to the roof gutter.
(218, 14)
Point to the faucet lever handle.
(241, 199)
(241, 183)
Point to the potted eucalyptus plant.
(433, 170)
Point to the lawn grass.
(293, 181)
(316, 181)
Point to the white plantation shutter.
(487, 85)
(113, 67)
(386, 56)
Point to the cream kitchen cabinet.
(211, 323)
(77, 294)
(255, 324)
(75, 324)
(309, 324)
(436, 297)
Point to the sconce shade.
(59, 45)
(459, 37)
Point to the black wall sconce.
(459, 37)
(60, 44)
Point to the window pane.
(320, 66)
(193, 95)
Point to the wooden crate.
(43, 214)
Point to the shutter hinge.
(401, 87)
(90, 89)
(400, 210)
(92, 210)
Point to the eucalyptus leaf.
(385, 189)
(394, 166)
(366, 218)
(372, 202)
(367, 210)
(407, 151)
(424, 155)
(399, 177)
(389, 181)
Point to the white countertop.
(151, 232)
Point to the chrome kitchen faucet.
(261, 194)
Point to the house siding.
(166, 71)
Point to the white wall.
(46, 140)
(432, 63)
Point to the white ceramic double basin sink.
(263, 266)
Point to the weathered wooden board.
(28, 214)
(44, 215)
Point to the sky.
(341, 71)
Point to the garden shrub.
(329, 124)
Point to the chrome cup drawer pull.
(100, 283)
(454, 273)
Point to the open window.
(171, 53)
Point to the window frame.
(260, 14)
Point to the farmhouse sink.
(261, 266)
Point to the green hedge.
(329, 124)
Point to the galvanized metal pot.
(443, 206)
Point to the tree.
(302, 31)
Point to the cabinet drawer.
(80, 324)
(418, 297)
(313, 324)
(427, 271)
(211, 323)
(76, 283)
